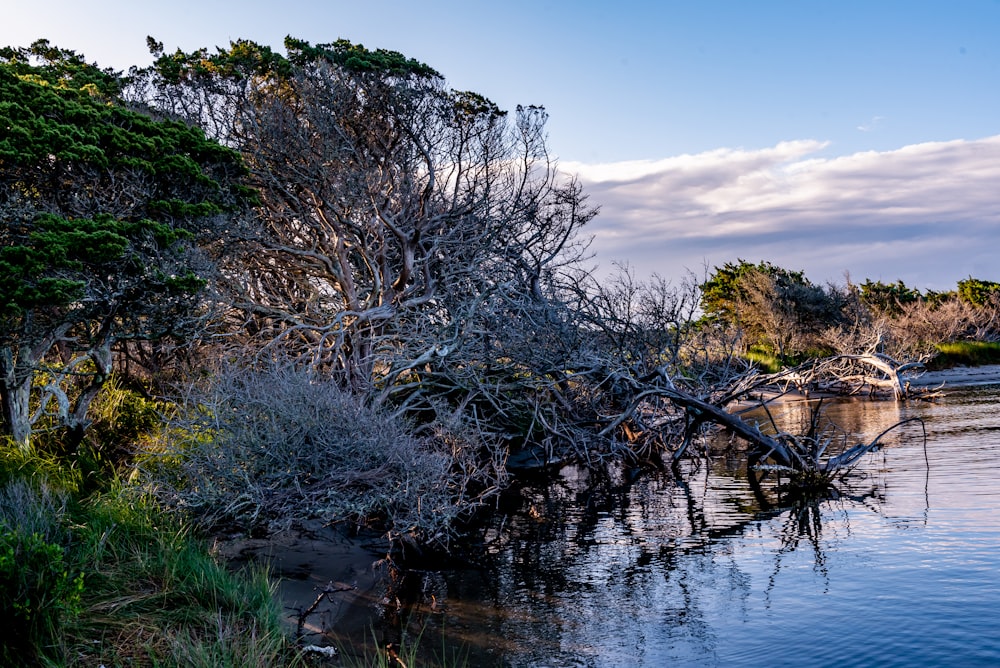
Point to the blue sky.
(827, 136)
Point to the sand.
(960, 376)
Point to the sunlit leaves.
(101, 208)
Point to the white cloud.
(927, 213)
(872, 124)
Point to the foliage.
(978, 292)
(102, 208)
(967, 353)
(39, 589)
(52, 66)
(889, 298)
(155, 596)
(107, 577)
(726, 289)
(774, 307)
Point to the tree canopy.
(890, 298)
(978, 292)
(101, 208)
(775, 307)
(405, 227)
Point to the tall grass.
(412, 650)
(107, 577)
(40, 587)
(155, 596)
(966, 353)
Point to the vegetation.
(266, 450)
(241, 290)
(979, 293)
(101, 207)
(108, 578)
(967, 353)
(777, 310)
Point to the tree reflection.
(586, 569)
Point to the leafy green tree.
(891, 298)
(102, 210)
(724, 293)
(978, 292)
(774, 307)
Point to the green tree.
(888, 298)
(774, 307)
(102, 210)
(978, 292)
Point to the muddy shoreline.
(344, 576)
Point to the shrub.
(269, 449)
(38, 588)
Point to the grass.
(768, 361)
(150, 593)
(956, 353)
(95, 572)
(765, 361)
(966, 353)
(155, 596)
(411, 651)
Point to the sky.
(835, 137)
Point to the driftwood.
(851, 374)
(803, 456)
(800, 456)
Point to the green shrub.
(39, 589)
(967, 353)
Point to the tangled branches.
(270, 449)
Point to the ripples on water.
(903, 570)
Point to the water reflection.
(902, 568)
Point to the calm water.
(902, 570)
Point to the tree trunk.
(15, 393)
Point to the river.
(902, 568)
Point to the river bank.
(328, 582)
(960, 376)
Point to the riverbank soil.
(960, 376)
(342, 576)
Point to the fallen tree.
(811, 459)
(847, 375)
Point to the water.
(902, 570)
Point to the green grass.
(155, 596)
(966, 353)
(411, 651)
(957, 353)
(765, 361)
(128, 584)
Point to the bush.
(38, 588)
(267, 450)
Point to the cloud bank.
(928, 214)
